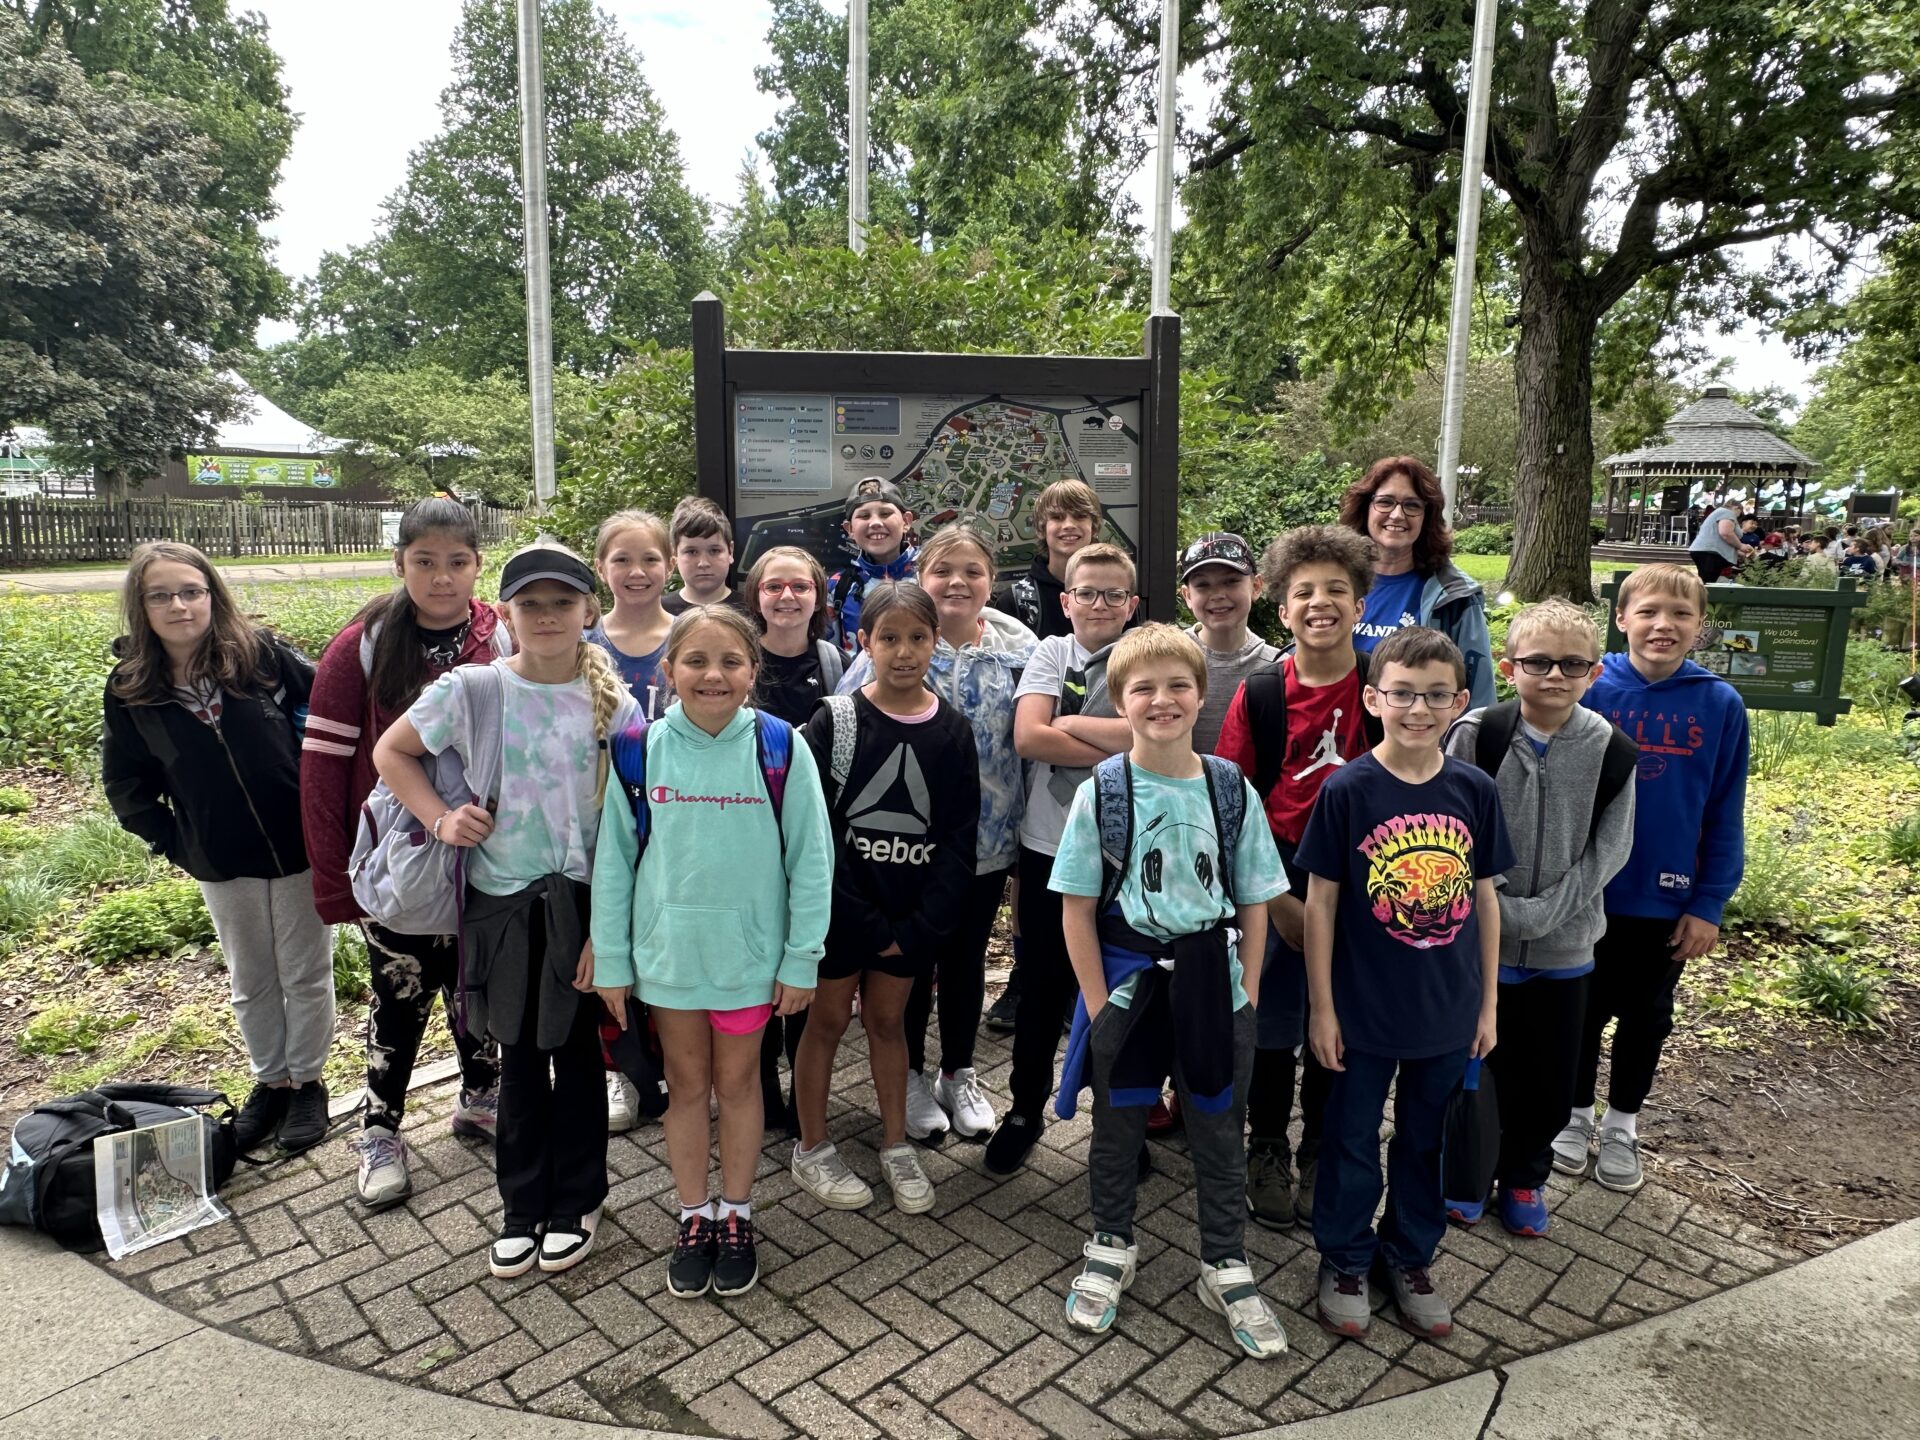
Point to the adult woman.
(1397, 505)
(1717, 548)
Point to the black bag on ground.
(48, 1180)
(1470, 1143)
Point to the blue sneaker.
(1523, 1212)
(1466, 1213)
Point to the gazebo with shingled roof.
(1715, 445)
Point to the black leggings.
(1634, 979)
(961, 967)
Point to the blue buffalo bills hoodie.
(1689, 830)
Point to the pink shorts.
(744, 1021)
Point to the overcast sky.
(365, 78)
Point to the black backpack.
(1266, 692)
(1494, 739)
(48, 1180)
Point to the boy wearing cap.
(877, 519)
(1219, 583)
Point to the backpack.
(1494, 740)
(832, 664)
(1266, 692)
(846, 731)
(1113, 808)
(772, 746)
(404, 879)
(48, 1182)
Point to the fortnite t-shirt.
(1406, 946)
(1392, 602)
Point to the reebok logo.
(894, 800)
(894, 852)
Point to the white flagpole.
(1472, 168)
(1163, 158)
(857, 126)
(533, 187)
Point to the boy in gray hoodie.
(1566, 780)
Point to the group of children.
(725, 818)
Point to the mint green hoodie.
(711, 920)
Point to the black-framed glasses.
(1387, 504)
(1087, 595)
(1403, 699)
(186, 595)
(1571, 666)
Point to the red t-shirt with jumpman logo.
(1326, 728)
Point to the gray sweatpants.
(1217, 1144)
(280, 962)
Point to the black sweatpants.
(781, 1033)
(1634, 979)
(1270, 1100)
(408, 971)
(550, 1156)
(960, 964)
(1047, 988)
(1533, 1070)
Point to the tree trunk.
(1553, 377)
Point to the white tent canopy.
(259, 425)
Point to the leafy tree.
(222, 69)
(634, 446)
(111, 286)
(1865, 413)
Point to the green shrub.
(1903, 841)
(69, 1029)
(94, 851)
(15, 800)
(1872, 678)
(352, 971)
(1494, 539)
(1777, 737)
(1836, 990)
(165, 916)
(1776, 882)
(27, 900)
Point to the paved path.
(878, 1323)
(70, 582)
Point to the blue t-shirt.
(1392, 601)
(1406, 946)
(641, 674)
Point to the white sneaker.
(623, 1104)
(961, 1097)
(828, 1178)
(383, 1178)
(912, 1190)
(1095, 1297)
(925, 1118)
(565, 1243)
(1227, 1289)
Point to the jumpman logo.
(1327, 752)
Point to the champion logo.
(667, 795)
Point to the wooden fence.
(55, 532)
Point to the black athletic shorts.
(845, 964)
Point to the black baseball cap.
(1222, 547)
(545, 562)
(874, 487)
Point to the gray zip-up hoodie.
(1551, 908)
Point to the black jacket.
(222, 803)
(1034, 600)
(905, 827)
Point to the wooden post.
(710, 417)
(326, 524)
(233, 526)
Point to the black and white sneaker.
(690, 1272)
(515, 1253)
(266, 1107)
(735, 1264)
(567, 1240)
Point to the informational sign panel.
(322, 473)
(1781, 649)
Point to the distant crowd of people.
(1728, 540)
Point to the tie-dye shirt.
(979, 681)
(546, 822)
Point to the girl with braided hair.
(527, 974)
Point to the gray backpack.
(404, 879)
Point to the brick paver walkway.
(877, 1323)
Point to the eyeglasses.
(1387, 504)
(1571, 666)
(186, 595)
(1088, 596)
(800, 588)
(1403, 699)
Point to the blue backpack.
(627, 756)
(1113, 808)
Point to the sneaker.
(690, 1271)
(306, 1122)
(515, 1253)
(1523, 1212)
(1008, 1146)
(266, 1107)
(1226, 1288)
(1164, 1117)
(912, 1190)
(1270, 1183)
(1618, 1167)
(960, 1095)
(623, 1104)
(476, 1114)
(1000, 1014)
(567, 1240)
(383, 1178)
(925, 1118)
(825, 1176)
(1571, 1145)
(735, 1264)
(1346, 1303)
(1095, 1297)
(1303, 1192)
(1423, 1309)
(1465, 1213)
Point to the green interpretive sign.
(319, 474)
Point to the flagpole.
(857, 126)
(533, 191)
(1472, 168)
